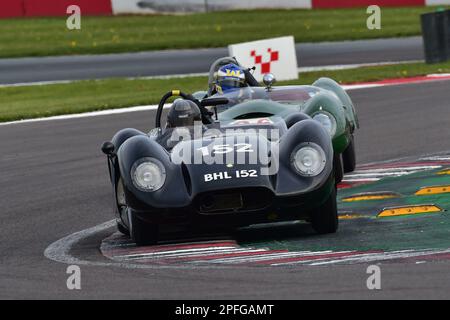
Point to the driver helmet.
(183, 113)
(229, 77)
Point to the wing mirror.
(108, 148)
(269, 80)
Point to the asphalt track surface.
(173, 62)
(54, 183)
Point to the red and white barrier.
(437, 2)
(52, 8)
(152, 6)
(38, 8)
(11, 8)
(381, 3)
(365, 3)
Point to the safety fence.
(36, 8)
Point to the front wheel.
(122, 229)
(349, 156)
(338, 168)
(325, 218)
(142, 232)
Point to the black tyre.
(325, 218)
(142, 232)
(349, 156)
(338, 168)
(122, 229)
(121, 208)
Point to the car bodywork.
(222, 193)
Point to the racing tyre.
(325, 219)
(338, 169)
(122, 229)
(349, 156)
(141, 232)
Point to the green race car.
(325, 101)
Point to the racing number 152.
(226, 148)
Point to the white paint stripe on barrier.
(155, 6)
(437, 2)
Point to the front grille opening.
(236, 200)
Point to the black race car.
(201, 173)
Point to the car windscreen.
(297, 95)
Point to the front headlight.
(148, 174)
(327, 120)
(308, 159)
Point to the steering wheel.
(206, 115)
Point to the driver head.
(230, 77)
(183, 113)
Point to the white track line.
(195, 255)
(154, 107)
(126, 110)
(397, 169)
(59, 251)
(270, 256)
(205, 74)
(84, 115)
(170, 253)
(382, 257)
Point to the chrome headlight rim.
(330, 117)
(316, 148)
(153, 162)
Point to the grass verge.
(42, 101)
(49, 36)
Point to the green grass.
(83, 96)
(49, 36)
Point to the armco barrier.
(50, 8)
(32, 8)
(36, 8)
(365, 3)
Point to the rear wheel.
(349, 156)
(325, 218)
(142, 232)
